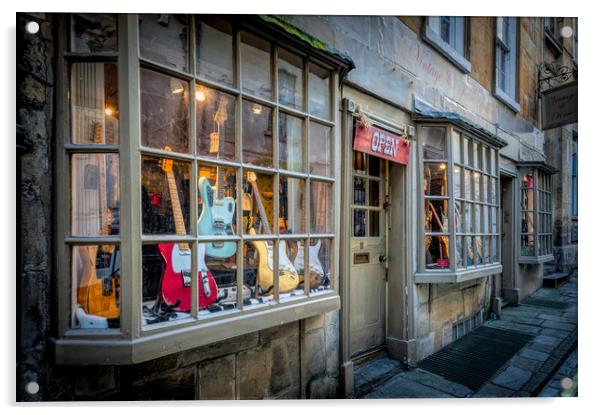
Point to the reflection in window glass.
(215, 123)
(165, 196)
(164, 111)
(433, 143)
(486, 258)
(374, 193)
(222, 270)
(467, 154)
(257, 142)
(320, 158)
(456, 154)
(321, 207)
(467, 185)
(468, 217)
(494, 257)
(460, 252)
(256, 63)
(319, 92)
(437, 252)
(457, 181)
(477, 219)
(93, 32)
(494, 220)
(478, 250)
(321, 265)
(290, 134)
(359, 222)
(96, 282)
(290, 79)
(167, 283)
(258, 203)
(95, 111)
(527, 245)
(477, 186)
(435, 215)
(374, 223)
(215, 56)
(435, 179)
(470, 252)
(292, 205)
(95, 194)
(359, 191)
(164, 39)
(458, 215)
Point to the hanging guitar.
(176, 282)
(98, 290)
(218, 210)
(316, 272)
(288, 279)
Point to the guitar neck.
(176, 207)
(102, 181)
(262, 214)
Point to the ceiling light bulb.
(32, 27)
(109, 111)
(200, 96)
(256, 109)
(442, 166)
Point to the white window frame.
(506, 61)
(453, 48)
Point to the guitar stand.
(160, 312)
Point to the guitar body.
(97, 294)
(288, 279)
(177, 282)
(316, 271)
(216, 219)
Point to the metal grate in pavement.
(539, 302)
(475, 358)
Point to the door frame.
(508, 284)
(399, 325)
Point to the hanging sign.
(559, 106)
(380, 143)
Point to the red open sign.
(381, 143)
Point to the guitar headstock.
(166, 164)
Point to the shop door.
(368, 250)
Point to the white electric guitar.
(316, 271)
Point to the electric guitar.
(176, 282)
(98, 290)
(288, 279)
(218, 210)
(316, 272)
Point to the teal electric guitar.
(218, 210)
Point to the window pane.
(478, 250)
(292, 205)
(359, 222)
(477, 219)
(360, 162)
(526, 202)
(484, 158)
(259, 275)
(291, 253)
(319, 91)
(457, 182)
(468, 185)
(469, 227)
(493, 190)
(486, 228)
(494, 213)
(433, 143)
(95, 194)
(320, 157)
(493, 155)
(215, 123)
(467, 146)
(94, 32)
(476, 177)
(167, 283)
(374, 223)
(435, 215)
(321, 207)
(291, 143)
(456, 154)
(460, 252)
(437, 252)
(494, 257)
(527, 245)
(164, 39)
(96, 282)
(259, 202)
(374, 193)
(257, 143)
(486, 198)
(290, 79)
(165, 196)
(164, 111)
(476, 155)
(215, 57)
(320, 262)
(435, 179)
(458, 216)
(95, 111)
(218, 273)
(526, 222)
(359, 191)
(486, 257)
(373, 166)
(256, 64)
(217, 207)
(470, 252)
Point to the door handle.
(382, 258)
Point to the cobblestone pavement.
(536, 370)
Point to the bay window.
(199, 164)
(459, 236)
(535, 212)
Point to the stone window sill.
(443, 277)
(81, 348)
(455, 57)
(506, 99)
(535, 259)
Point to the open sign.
(381, 143)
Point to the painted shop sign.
(381, 143)
(559, 106)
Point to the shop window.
(447, 34)
(229, 186)
(460, 181)
(535, 213)
(506, 67)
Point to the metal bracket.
(553, 74)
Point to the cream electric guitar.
(316, 272)
(288, 279)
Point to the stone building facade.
(397, 70)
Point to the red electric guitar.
(176, 284)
